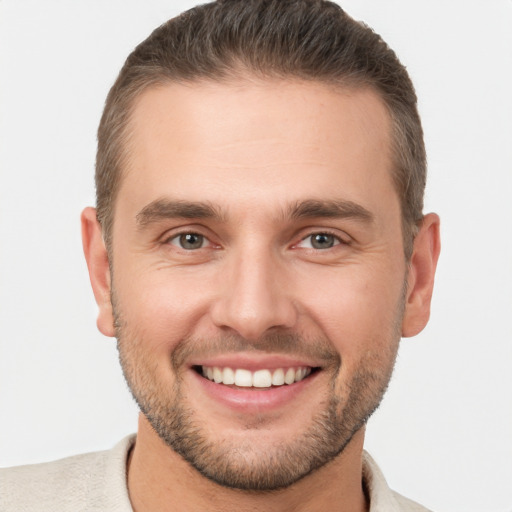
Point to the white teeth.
(243, 378)
(289, 377)
(300, 374)
(304, 372)
(262, 379)
(259, 379)
(228, 376)
(278, 377)
(217, 375)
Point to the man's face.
(257, 239)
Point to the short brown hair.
(313, 40)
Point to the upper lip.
(255, 362)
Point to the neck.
(159, 480)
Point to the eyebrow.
(162, 209)
(337, 209)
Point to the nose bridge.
(253, 297)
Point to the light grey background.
(444, 432)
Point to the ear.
(99, 270)
(422, 269)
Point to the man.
(258, 249)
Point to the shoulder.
(407, 505)
(382, 498)
(91, 481)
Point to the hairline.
(240, 74)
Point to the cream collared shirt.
(96, 482)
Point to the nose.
(254, 296)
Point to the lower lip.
(255, 399)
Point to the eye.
(189, 241)
(319, 241)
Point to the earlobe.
(422, 268)
(99, 270)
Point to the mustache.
(293, 344)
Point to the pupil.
(322, 241)
(191, 241)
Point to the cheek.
(358, 311)
(360, 316)
(159, 307)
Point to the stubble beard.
(244, 465)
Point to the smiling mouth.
(262, 378)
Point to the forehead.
(285, 138)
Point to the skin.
(253, 150)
